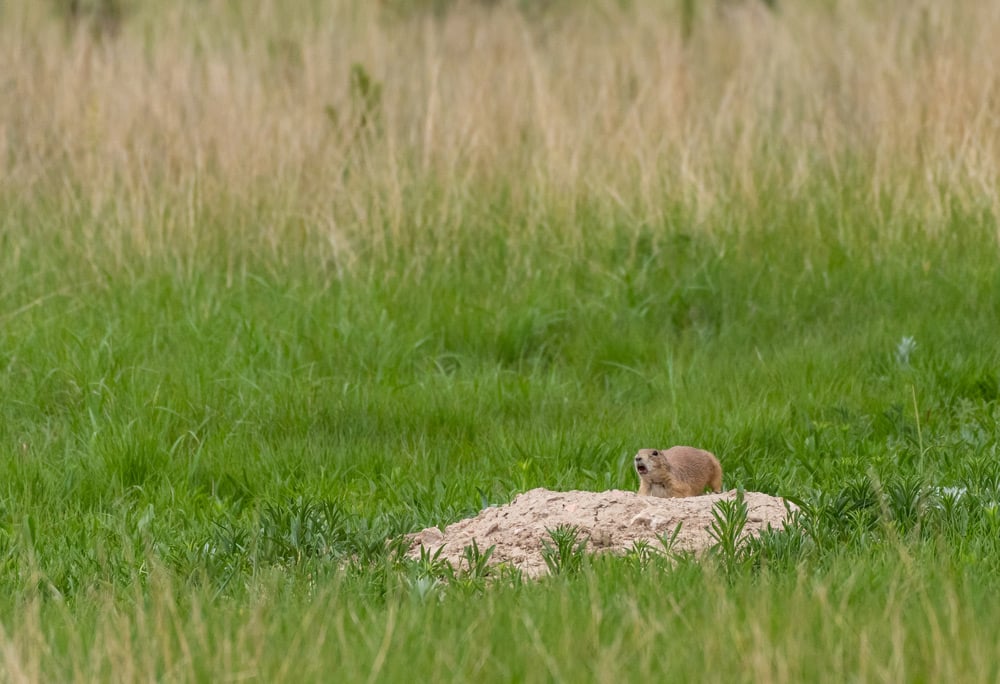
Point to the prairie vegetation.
(282, 280)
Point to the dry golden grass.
(194, 107)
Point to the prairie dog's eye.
(654, 453)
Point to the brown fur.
(677, 471)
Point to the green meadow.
(283, 281)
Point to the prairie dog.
(677, 471)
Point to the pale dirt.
(613, 520)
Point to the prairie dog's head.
(651, 465)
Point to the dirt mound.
(613, 520)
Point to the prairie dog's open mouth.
(641, 468)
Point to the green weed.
(566, 553)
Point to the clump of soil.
(613, 520)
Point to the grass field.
(282, 280)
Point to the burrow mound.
(613, 520)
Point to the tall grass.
(253, 116)
(282, 281)
(874, 624)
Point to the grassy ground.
(277, 284)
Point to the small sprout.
(431, 565)
(670, 541)
(641, 552)
(478, 561)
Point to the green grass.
(244, 447)
(225, 384)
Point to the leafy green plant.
(432, 566)
(477, 561)
(299, 529)
(566, 554)
(782, 549)
(908, 500)
(729, 518)
(641, 553)
(669, 541)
